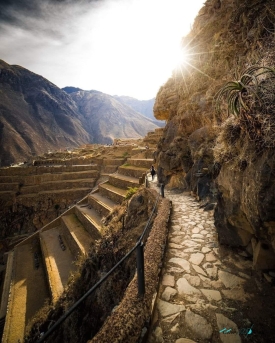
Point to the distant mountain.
(70, 89)
(144, 107)
(107, 118)
(36, 115)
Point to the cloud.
(50, 17)
(115, 46)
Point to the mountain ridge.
(37, 116)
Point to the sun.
(176, 58)
(181, 57)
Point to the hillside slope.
(35, 115)
(106, 118)
(144, 107)
(232, 151)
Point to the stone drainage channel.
(208, 292)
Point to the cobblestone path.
(207, 292)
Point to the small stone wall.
(128, 321)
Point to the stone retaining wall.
(19, 171)
(136, 172)
(113, 162)
(12, 187)
(129, 321)
(109, 169)
(120, 183)
(37, 179)
(60, 185)
(143, 163)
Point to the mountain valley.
(36, 116)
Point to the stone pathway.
(207, 293)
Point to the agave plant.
(246, 92)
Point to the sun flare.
(181, 57)
(118, 47)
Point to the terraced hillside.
(49, 255)
(31, 196)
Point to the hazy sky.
(123, 47)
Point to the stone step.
(152, 140)
(123, 181)
(133, 171)
(60, 176)
(77, 238)
(7, 179)
(7, 195)
(109, 169)
(116, 194)
(113, 162)
(9, 187)
(101, 204)
(64, 169)
(58, 260)
(77, 194)
(90, 219)
(29, 289)
(58, 185)
(141, 162)
(25, 171)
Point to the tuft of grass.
(131, 191)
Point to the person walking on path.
(153, 172)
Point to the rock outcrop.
(227, 36)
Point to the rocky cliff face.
(215, 153)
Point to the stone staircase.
(39, 267)
(152, 137)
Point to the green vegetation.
(251, 100)
(249, 92)
(131, 191)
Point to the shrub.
(252, 101)
(249, 91)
